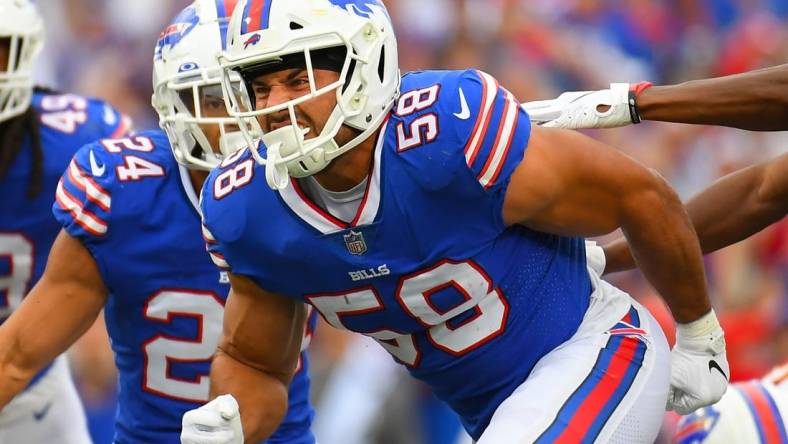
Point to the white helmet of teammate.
(746, 413)
(22, 25)
(264, 33)
(187, 89)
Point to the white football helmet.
(267, 32)
(187, 87)
(22, 25)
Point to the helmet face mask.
(22, 36)
(365, 90)
(187, 88)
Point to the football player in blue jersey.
(425, 212)
(131, 243)
(40, 131)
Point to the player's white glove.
(217, 422)
(607, 108)
(595, 257)
(699, 369)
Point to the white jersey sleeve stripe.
(87, 220)
(94, 191)
(206, 234)
(124, 128)
(490, 91)
(219, 260)
(503, 140)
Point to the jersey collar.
(298, 202)
(188, 187)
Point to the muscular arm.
(62, 305)
(730, 210)
(756, 100)
(257, 355)
(570, 184)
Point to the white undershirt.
(341, 204)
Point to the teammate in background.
(750, 412)
(39, 132)
(736, 206)
(421, 219)
(131, 243)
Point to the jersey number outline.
(19, 251)
(423, 129)
(162, 350)
(134, 167)
(414, 293)
(233, 178)
(64, 112)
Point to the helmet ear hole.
(382, 64)
(294, 26)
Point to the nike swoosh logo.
(465, 112)
(109, 116)
(95, 168)
(713, 365)
(39, 415)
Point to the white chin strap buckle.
(275, 171)
(283, 141)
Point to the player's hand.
(217, 422)
(699, 369)
(607, 108)
(595, 257)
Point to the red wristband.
(634, 90)
(638, 88)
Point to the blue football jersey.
(427, 266)
(27, 228)
(134, 208)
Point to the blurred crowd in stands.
(537, 48)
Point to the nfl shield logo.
(355, 243)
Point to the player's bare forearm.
(740, 204)
(664, 244)
(258, 354)
(56, 312)
(572, 185)
(730, 210)
(262, 399)
(756, 101)
(618, 257)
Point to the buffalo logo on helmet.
(354, 241)
(695, 427)
(180, 27)
(363, 8)
(252, 40)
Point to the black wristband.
(633, 106)
(634, 90)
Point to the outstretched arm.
(258, 353)
(57, 311)
(756, 101)
(732, 209)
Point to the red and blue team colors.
(27, 228)
(427, 266)
(134, 208)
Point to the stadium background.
(537, 48)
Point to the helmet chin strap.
(275, 172)
(281, 143)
